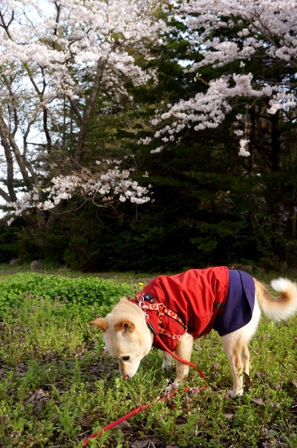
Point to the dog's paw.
(172, 386)
(233, 394)
(171, 389)
(166, 364)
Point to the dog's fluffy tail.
(281, 307)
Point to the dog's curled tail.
(281, 307)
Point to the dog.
(182, 307)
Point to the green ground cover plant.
(58, 385)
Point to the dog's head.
(126, 336)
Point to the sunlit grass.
(59, 386)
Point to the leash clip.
(140, 304)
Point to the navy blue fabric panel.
(239, 305)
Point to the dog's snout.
(125, 377)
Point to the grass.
(59, 386)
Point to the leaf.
(38, 399)
(247, 381)
(229, 416)
(258, 401)
(143, 444)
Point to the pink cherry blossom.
(266, 25)
(55, 58)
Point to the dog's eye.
(125, 358)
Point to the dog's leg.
(236, 348)
(246, 359)
(183, 350)
(167, 360)
(238, 355)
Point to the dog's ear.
(124, 325)
(101, 322)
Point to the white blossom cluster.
(56, 57)
(66, 39)
(103, 188)
(20, 206)
(266, 25)
(243, 144)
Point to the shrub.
(80, 296)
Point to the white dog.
(182, 307)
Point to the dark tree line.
(209, 205)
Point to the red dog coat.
(203, 299)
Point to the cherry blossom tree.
(243, 59)
(57, 57)
(239, 42)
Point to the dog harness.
(196, 302)
(156, 312)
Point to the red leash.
(113, 424)
(129, 415)
(189, 363)
(144, 406)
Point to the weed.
(58, 385)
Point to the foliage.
(60, 65)
(8, 243)
(225, 69)
(244, 52)
(58, 385)
(72, 296)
